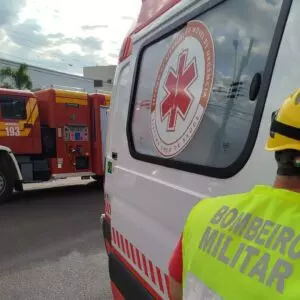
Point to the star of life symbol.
(177, 102)
(182, 89)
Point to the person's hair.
(288, 162)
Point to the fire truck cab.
(194, 91)
(50, 134)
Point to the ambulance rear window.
(13, 108)
(190, 107)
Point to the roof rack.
(64, 87)
(97, 91)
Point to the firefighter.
(247, 246)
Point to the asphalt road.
(51, 243)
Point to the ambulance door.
(183, 126)
(104, 111)
(99, 117)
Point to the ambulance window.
(13, 108)
(191, 108)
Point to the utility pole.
(235, 44)
(233, 93)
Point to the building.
(103, 76)
(43, 78)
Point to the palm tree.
(6, 85)
(19, 77)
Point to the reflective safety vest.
(243, 247)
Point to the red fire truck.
(50, 134)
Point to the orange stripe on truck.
(71, 97)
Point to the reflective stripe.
(154, 279)
(196, 290)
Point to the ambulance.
(194, 91)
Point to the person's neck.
(287, 183)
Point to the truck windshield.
(12, 108)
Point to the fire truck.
(50, 134)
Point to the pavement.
(51, 243)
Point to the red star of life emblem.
(178, 99)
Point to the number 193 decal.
(12, 130)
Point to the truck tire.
(6, 183)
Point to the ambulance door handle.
(114, 155)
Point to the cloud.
(71, 62)
(88, 44)
(27, 33)
(9, 11)
(93, 27)
(52, 50)
(88, 59)
(46, 34)
(113, 55)
(57, 35)
(127, 18)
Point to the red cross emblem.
(178, 99)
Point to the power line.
(23, 37)
(63, 62)
(28, 43)
(32, 45)
(70, 61)
(33, 61)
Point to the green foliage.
(6, 85)
(19, 78)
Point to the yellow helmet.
(285, 126)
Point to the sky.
(65, 35)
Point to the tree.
(6, 85)
(19, 77)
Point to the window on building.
(109, 81)
(191, 103)
(13, 108)
(98, 83)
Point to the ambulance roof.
(151, 10)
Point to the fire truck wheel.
(6, 185)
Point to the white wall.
(100, 72)
(43, 78)
(104, 73)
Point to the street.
(51, 243)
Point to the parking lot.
(51, 243)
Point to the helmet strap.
(288, 163)
(286, 171)
(285, 130)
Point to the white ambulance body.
(182, 126)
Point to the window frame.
(11, 98)
(98, 83)
(242, 159)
